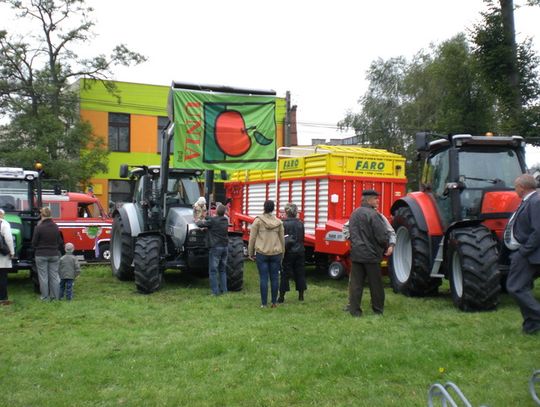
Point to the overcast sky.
(317, 50)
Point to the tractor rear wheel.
(473, 269)
(235, 264)
(410, 261)
(147, 261)
(121, 251)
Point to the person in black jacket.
(369, 240)
(47, 243)
(294, 259)
(218, 241)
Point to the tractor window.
(88, 210)
(439, 171)
(13, 195)
(185, 190)
(489, 168)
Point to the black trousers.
(3, 284)
(359, 272)
(293, 267)
(519, 284)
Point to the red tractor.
(452, 228)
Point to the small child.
(69, 269)
(199, 209)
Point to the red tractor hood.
(500, 202)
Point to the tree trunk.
(507, 12)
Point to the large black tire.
(121, 251)
(473, 269)
(235, 264)
(147, 261)
(409, 265)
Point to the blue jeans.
(268, 266)
(217, 261)
(66, 285)
(49, 280)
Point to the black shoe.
(355, 314)
(300, 296)
(281, 298)
(532, 331)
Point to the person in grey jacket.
(369, 241)
(68, 271)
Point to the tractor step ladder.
(438, 261)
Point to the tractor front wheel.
(147, 261)
(473, 270)
(410, 261)
(235, 264)
(121, 251)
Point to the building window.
(119, 191)
(119, 132)
(162, 123)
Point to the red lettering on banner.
(193, 129)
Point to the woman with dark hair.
(295, 256)
(266, 247)
(47, 242)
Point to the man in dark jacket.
(369, 240)
(218, 241)
(524, 241)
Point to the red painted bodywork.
(82, 221)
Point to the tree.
(37, 76)
(509, 69)
(439, 91)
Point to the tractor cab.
(20, 198)
(467, 175)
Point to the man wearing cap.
(369, 239)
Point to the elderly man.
(522, 237)
(369, 240)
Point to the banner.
(224, 131)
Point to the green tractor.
(20, 198)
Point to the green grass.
(183, 347)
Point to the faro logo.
(370, 165)
(290, 164)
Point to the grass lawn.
(182, 347)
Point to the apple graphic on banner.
(231, 133)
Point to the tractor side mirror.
(124, 171)
(422, 142)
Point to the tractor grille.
(196, 238)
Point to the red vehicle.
(326, 184)
(83, 222)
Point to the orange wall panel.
(143, 134)
(99, 122)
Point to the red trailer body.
(326, 184)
